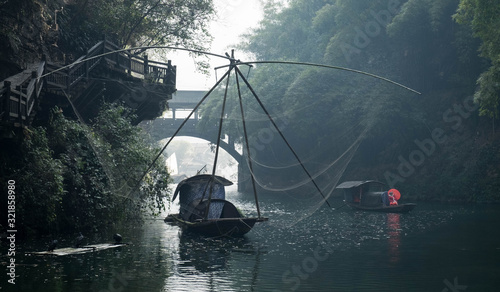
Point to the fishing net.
(300, 141)
(295, 131)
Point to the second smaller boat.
(370, 195)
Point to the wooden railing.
(16, 104)
(123, 62)
(19, 92)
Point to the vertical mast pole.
(211, 182)
(250, 166)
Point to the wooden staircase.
(105, 72)
(19, 93)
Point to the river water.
(436, 247)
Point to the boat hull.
(401, 208)
(216, 227)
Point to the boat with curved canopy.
(371, 195)
(203, 208)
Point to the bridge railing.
(16, 104)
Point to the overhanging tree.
(132, 23)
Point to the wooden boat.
(203, 208)
(217, 227)
(403, 208)
(369, 196)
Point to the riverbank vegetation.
(70, 176)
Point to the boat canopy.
(355, 184)
(371, 199)
(202, 189)
(365, 193)
(201, 179)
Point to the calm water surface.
(437, 247)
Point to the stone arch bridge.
(181, 104)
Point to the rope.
(130, 49)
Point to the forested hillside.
(440, 145)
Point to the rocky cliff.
(28, 31)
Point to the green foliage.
(133, 23)
(86, 200)
(335, 100)
(413, 15)
(40, 183)
(483, 17)
(488, 94)
(73, 177)
(123, 153)
(286, 35)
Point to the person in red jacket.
(392, 199)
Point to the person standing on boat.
(392, 199)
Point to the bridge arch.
(182, 102)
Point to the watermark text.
(11, 231)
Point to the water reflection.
(208, 264)
(205, 255)
(394, 233)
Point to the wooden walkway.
(20, 93)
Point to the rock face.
(27, 32)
